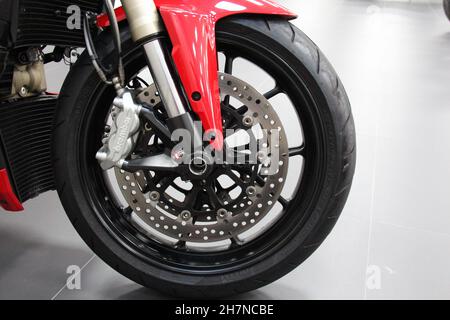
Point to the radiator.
(45, 22)
(26, 129)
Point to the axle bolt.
(251, 191)
(154, 196)
(186, 215)
(247, 121)
(261, 156)
(222, 213)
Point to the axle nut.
(222, 213)
(154, 196)
(251, 191)
(247, 121)
(186, 215)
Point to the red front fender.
(191, 27)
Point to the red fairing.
(191, 26)
(8, 199)
(103, 20)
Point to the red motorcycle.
(177, 171)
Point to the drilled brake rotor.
(234, 198)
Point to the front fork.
(145, 21)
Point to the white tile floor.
(393, 57)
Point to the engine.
(26, 112)
(26, 26)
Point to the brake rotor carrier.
(162, 212)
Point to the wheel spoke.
(283, 202)
(297, 151)
(229, 122)
(214, 199)
(192, 196)
(142, 144)
(242, 168)
(242, 110)
(127, 211)
(152, 182)
(165, 183)
(233, 176)
(260, 181)
(229, 64)
(272, 93)
(236, 242)
(226, 101)
(180, 244)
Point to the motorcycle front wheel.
(447, 8)
(303, 94)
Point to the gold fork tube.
(143, 18)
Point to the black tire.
(447, 8)
(308, 221)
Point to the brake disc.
(161, 210)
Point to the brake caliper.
(123, 133)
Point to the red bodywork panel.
(191, 27)
(8, 199)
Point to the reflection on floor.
(394, 235)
